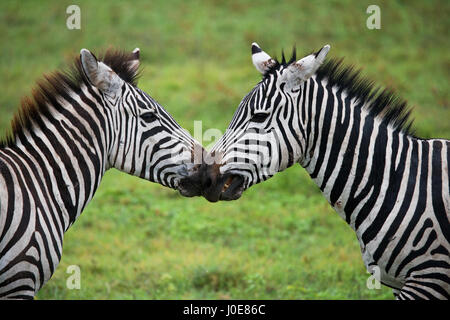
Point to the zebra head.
(144, 139)
(267, 132)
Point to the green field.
(281, 240)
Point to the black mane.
(381, 102)
(59, 83)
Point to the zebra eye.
(149, 116)
(259, 117)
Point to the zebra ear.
(304, 68)
(99, 74)
(89, 63)
(135, 60)
(261, 60)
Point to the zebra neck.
(356, 160)
(61, 158)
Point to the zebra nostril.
(207, 183)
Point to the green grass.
(281, 240)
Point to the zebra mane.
(60, 83)
(381, 102)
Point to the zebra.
(78, 124)
(355, 141)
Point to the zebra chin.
(189, 188)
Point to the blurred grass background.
(281, 240)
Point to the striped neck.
(355, 158)
(66, 150)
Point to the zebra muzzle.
(232, 188)
(223, 187)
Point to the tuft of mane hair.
(281, 64)
(61, 83)
(381, 102)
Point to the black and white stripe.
(355, 142)
(78, 125)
